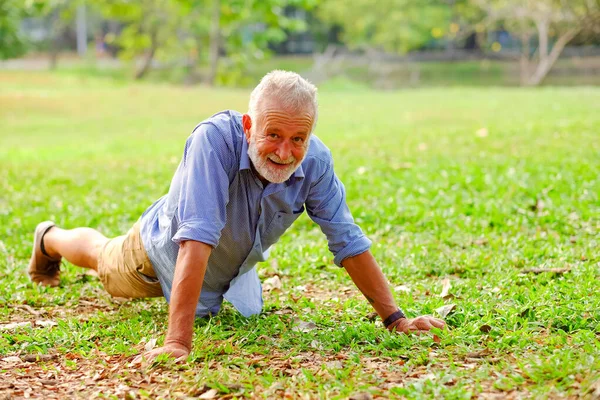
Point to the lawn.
(489, 197)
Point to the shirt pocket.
(279, 224)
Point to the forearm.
(369, 279)
(187, 285)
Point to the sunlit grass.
(474, 185)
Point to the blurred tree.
(152, 29)
(12, 12)
(557, 21)
(201, 32)
(395, 25)
(239, 31)
(12, 44)
(59, 14)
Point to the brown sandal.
(43, 269)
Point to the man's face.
(277, 141)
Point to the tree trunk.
(149, 57)
(547, 62)
(215, 41)
(193, 61)
(524, 60)
(54, 48)
(81, 29)
(542, 28)
(55, 38)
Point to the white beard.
(263, 167)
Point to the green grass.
(439, 196)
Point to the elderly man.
(242, 181)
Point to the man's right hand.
(187, 285)
(175, 350)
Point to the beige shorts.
(125, 269)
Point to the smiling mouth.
(280, 164)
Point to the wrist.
(393, 319)
(178, 342)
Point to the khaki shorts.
(125, 269)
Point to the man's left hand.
(419, 324)
(174, 350)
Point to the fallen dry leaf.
(481, 241)
(446, 286)
(361, 396)
(304, 326)
(29, 309)
(573, 239)
(445, 310)
(12, 359)
(285, 310)
(594, 390)
(372, 316)
(272, 283)
(14, 325)
(479, 354)
(120, 300)
(402, 288)
(99, 375)
(38, 357)
(45, 323)
(150, 344)
(209, 394)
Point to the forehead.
(273, 114)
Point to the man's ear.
(246, 125)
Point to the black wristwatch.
(393, 318)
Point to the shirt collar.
(244, 159)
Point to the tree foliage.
(241, 30)
(185, 31)
(396, 26)
(11, 42)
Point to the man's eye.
(272, 135)
(299, 139)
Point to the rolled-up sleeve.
(326, 205)
(204, 189)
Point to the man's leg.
(122, 263)
(80, 246)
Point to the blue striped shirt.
(216, 198)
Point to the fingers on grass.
(438, 323)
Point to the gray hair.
(291, 91)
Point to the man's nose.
(284, 151)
